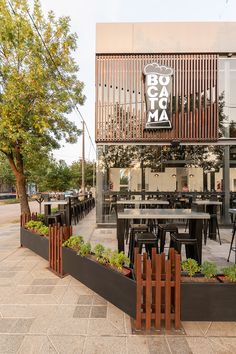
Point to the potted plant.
(209, 270)
(94, 269)
(190, 267)
(38, 227)
(74, 242)
(99, 253)
(84, 249)
(33, 237)
(229, 274)
(120, 261)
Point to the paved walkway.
(41, 313)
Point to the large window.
(227, 97)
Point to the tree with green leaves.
(57, 177)
(76, 173)
(6, 175)
(38, 86)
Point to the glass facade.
(203, 110)
(227, 97)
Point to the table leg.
(195, 230)
(120, 234)
(211, 209)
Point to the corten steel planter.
(108, 283)
(35, 242)
(208, 301)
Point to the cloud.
(155, 68)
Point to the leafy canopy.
(35, 97)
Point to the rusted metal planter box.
(108, 283)
(35, 242)
(208, 301)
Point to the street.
(11, 212)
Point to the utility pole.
(83, 160)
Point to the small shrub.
(84, 249)
(107, 255)
(99, 251)
(74, 242)
(208, 269)
(37, 226)
(190, 266)
(44, 230)
(119, 259)
(230, 273)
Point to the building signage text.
(158, 84)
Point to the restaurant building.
(165, 110)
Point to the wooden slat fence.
(57, 235)
(158, 290)
(24, 218)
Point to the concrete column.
(226, 186)
(100, 178)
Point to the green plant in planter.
(99, 252)
(118, 260)
(44, 230)
(190, 266)
(37, 226)
(107, 255)
(208, 269)
(34, 225)
(230, 273)
(74, 242)
(84, 249)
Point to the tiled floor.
(41, 313)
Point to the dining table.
(150, 203)
(195, 222)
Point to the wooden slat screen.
(120, 101)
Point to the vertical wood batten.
(121, 115)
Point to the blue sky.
(84, 16)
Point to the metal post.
(83, 160)
(226, 186)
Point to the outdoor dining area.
(68, 211)
(185, 222)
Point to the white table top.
(207, 202)
(59, 202)
(144, 202)
(232, 211)
(162, 214)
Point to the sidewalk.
(41, 313)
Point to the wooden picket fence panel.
(24, 218)
(57, 235)
(158, 290)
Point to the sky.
(84, 16)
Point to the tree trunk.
(21, 187)
(18, 170)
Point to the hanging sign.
(158, 87)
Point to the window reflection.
(227, 97)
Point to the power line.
(51, 58)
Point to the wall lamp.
(191, 175)
(156, 175)
(174, 175)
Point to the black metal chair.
(179, 239)
(146, 239)
(162, 230)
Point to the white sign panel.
(158, 85)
